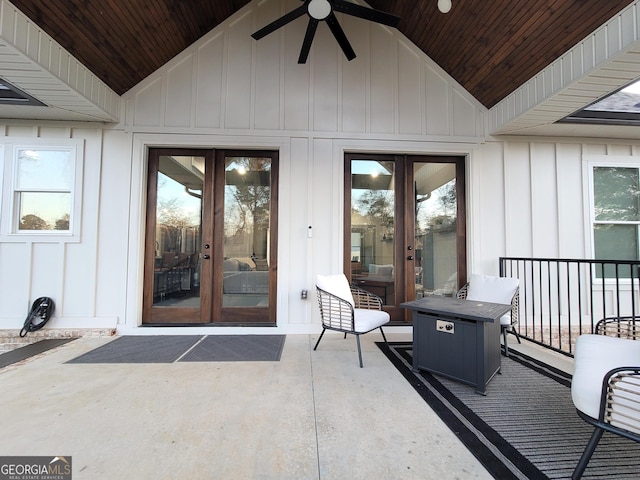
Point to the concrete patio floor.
(312, 415)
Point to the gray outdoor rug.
(526, 427)
(187, 348)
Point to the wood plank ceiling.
(489, 47)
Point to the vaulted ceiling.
(490, 47)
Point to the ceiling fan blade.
(370, 14)
(308, 39)
(281, 22)
(341, 38)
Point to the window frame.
(606, 161)
(9, 201)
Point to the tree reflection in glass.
(247, 200)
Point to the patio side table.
(459, 339)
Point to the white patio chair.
(605, 389)
(348, 309)
(504, 290)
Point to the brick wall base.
(10, 339)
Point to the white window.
(615, 213)
(43, 191)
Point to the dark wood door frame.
(247, 316)
(211, 286)
(405, 219)
(170, 315)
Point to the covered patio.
(125, 91)
(311, 415)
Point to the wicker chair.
(501, 289)
(605, 388)
(348, 309)
(621, 327)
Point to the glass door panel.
(247, 201)
(436, 228)
(174, 245)
(404, 227)
(373, 235)
(178, 236)
(211, 237)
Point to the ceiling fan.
(319, 10)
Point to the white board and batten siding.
(229, 82)
(230, 91)
(79, 272)
(525, 197)
(532, 195)
(530, 198)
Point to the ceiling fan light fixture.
(444, 6)
(325, 11)
(319, 9)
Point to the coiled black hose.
(41, 311)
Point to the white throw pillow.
(336, 285)
(384, 270)
(491, 289)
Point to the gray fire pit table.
(459, 339)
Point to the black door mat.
(22, 353)
(140, 349)
(237, 348)
(186, 348)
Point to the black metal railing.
(561, 299)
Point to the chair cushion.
(337, 285)
(383, 270)
(595, 355)
(366, 320)
(492, 289)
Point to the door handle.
(206, 246)
(410, 257)
(206, 256)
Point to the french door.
(405, 227)
(211, 243)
